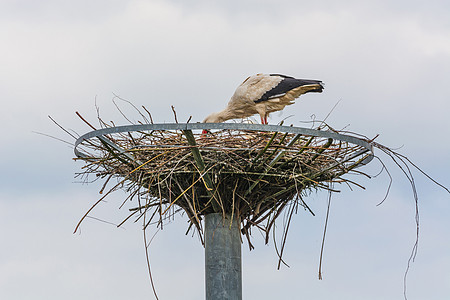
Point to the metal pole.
(223, 272)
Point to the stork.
(262, 94)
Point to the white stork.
(262, 94)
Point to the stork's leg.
(262, 120)
(265, 120)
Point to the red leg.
(265, 120)
(262, 120)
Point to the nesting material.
(251, 175)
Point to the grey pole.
(223, 272)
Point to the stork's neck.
(219, 117)
(226, 114)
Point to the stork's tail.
(308, 85)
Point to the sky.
(385, 65)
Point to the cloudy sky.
(386, 64)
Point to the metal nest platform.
(251, 172)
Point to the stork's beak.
(204, 132)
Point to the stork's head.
(212, 118)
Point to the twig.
(174, 113)
(323, 237)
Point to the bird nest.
(252, 172)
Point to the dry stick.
(97, 109)
(101, 138)
(304, 205)
(258, 218)
(247, 235)
(390, 181)
(84, 120)
(103, 221)
(149, 114)
(148, 188)
(362, 173)
(140, 183)
(62, 128)
(120, 111)
(148, 262)
(190, 215)
(212, 194)
(323, 238)
(104, 184)
(146, 207)
(189, 227)
(159, 223)
(132, 105)
(174, 113)
(194, 198)
(400, 156)
(276, 248)
(53, 137)
(408, 174)
(232, 206)
(127, 218)
(139, 208)
(278, 208)
(284, 237)
(348, 182)
(130, 196)
(160, 200)
(194, 213)
(132, 139)
(95, 204)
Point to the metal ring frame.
(224, 126)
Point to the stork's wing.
(289, 88)
(295, 93)
(254, 87)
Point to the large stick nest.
(254, 176)
(251, 175)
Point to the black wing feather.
(288, 83)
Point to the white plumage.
(262, 94)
